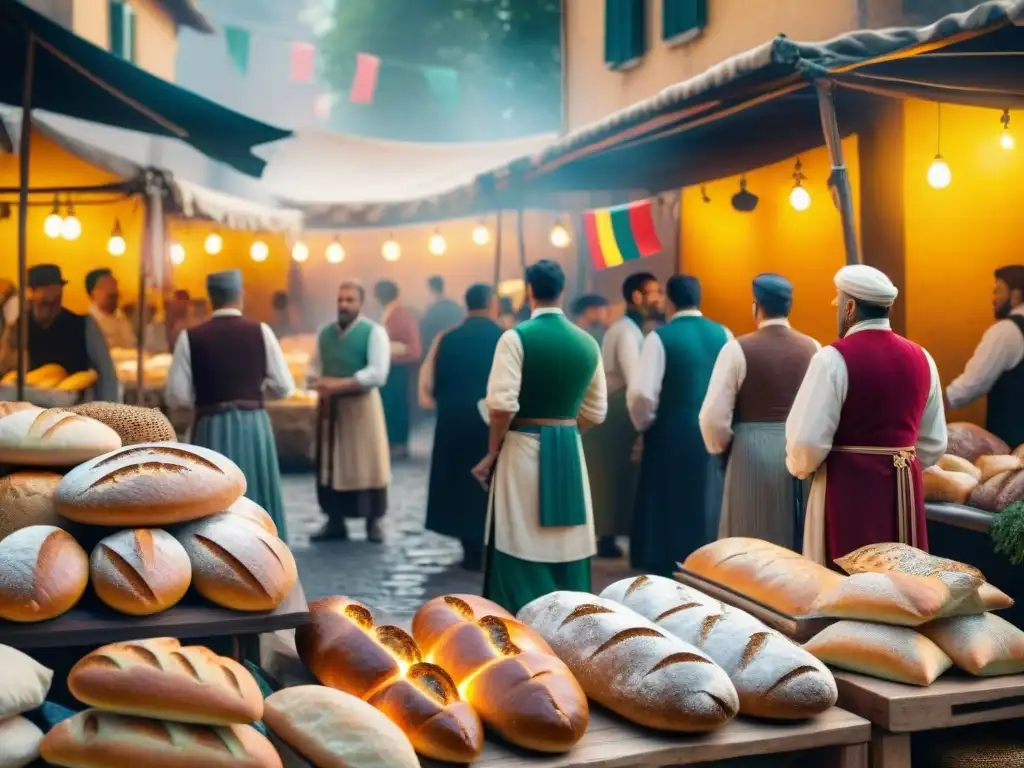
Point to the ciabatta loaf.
(983, 644)
(346, 649)
(26, 498)
(43, 573)
(150, 484)
(93, 739)
(53, 438)
(774, 677)
(506, 671)
(19, 743)
(249, 510)
(140, 572)
(889, 598)
(631, 665)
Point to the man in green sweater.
(546, 386)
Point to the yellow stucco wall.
(157, 41)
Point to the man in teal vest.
(546, 386)
(679, 497)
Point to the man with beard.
(590, 312)
(996, 368)
(349, 366)
(104, 295)
(404, 336)
(867, 417)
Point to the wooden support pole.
(840, 177)
(24, 151)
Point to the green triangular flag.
(238, 47)
(444, 83)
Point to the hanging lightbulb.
(939, 173)
(300, 252)
(335, 253)
(560, 236)
(1006, 140)
(481, 234)
(799, 197)
(213, 244)
(54, 224)
(71, 227)
(259, 251)
(436, 244)
(391, 250)
(116, 245)
(177, 253)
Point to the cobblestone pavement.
(413, 565)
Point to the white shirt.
(727, 378)
(378, 356)
(179, 391)
(1001, 348)
(814, 417)
(116, 327)
(621, 353)
(644, 390)
(506, 378)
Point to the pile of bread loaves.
(979, 471)
(25, 686)
(53, 376)
(166, 515)
(902, 614)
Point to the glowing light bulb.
(300, 252)
(481, 234)
(560, 236)
(800, 198)
(259, 251)
(335, 252)
(177, 253)
(391, 250)
(213, 244)
(54, 225)
(939, 173)
(1006, 140)
(436, 244)
(71, 227)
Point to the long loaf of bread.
(631, 665)
(774, 677)
(512, 678)
(381, 664)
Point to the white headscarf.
(859, 281)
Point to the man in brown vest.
(752, 388)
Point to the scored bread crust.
(346, 649)
(774, 677)
(248, 509)
(150, 484)
(7, 408)
(43, 573)
(510, 675)
(140, 572)
(26, 498)
(631, 665)
(93, 739)
(53, 437)
(161, 679)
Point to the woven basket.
(134, 424)
(972, 751)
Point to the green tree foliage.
(506, 57)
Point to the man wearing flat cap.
(996, 368)
(57, 335)
(867, 418)
(752, 388)
(679, 496)
(224, 369)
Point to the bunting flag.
(364, 84)
(303, 62)
(238, 41)
(620, 234)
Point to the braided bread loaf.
(381, 664)
(506, 671)
(774, 677)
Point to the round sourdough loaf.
(43, 573)
(26, 498)
(248, 509)
(140, 572)
(237, 564)
(150, 484)
(53, 438)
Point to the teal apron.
(562, 500)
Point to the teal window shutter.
(683, 19)
(123, 25)
(625, 32)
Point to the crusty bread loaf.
(140, 572)
(774, 677)
(332, 729)
(7, 408)
(238, 565)
(969, 441)
(986, 495)
(991, 466)
(949, 487)
(1012, 490)
(987, 598)
(951, 463)
(161, 679)
(134, 424)
(53, 438)
(1018, 451)
(43, 573)
(93, 739)
(150, 484)
(983, 644)
(345, 649)
(773, 576)
(900, 654)
(890, 598)
(632, 666)
(506, 671)
(254, 513)
(26, 498)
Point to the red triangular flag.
(364, 84)
(303, 62)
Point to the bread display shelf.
(799, 628)
(959, 516)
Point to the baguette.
(774, 677)
(949, 487)
(505, 670)
(951, 463)
(140, 572)
(26, 498)
(52, 438)
(991, 466)
(93, 739)
(381, 664)
(161, 679)
(632, 666)
(43, 573)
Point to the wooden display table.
(898, 710)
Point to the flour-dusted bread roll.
(991, 466)
(238, 565)
(19, 743)
(987, 598)
(941, 485)
(159, 678)
(26, 498)
(140, 572)
(889, 598)
(43, 573)
(951, 463)
(150, 484)
(900, 654)
(969, 441)
(254, 513)
(983, 644)
(774, 677)
(331, 729)
(632, 666)
(93, 739)
(53, 438)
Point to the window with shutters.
(625, 33)
(123, 26)
(683, 20)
